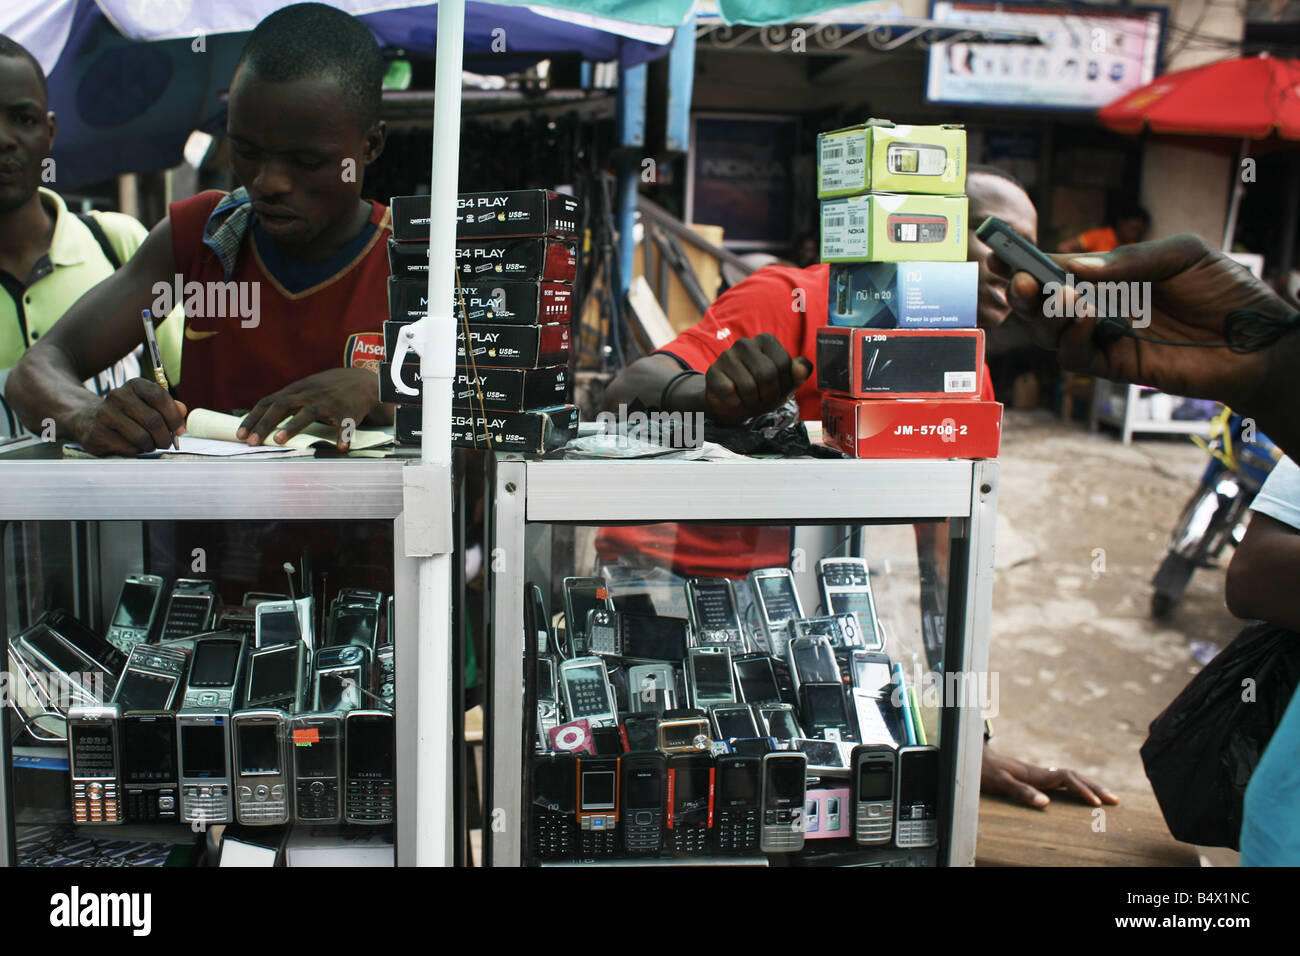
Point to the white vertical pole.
(437, 369)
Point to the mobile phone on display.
(58, 670)
(826, 758)
(779, 721)
(778, 604)
(913, 227)
(581, 597)
(262, 768)
(873, 672)
(603, 633)
(276, 622)
(370, 760)
(653, 637)
(916, 798)
(317, 748)
(94, 764)
(149, 784)
(651, 688)
(278, 677)
(355, 624)
(240, 620)
(537, 621)
(846, 589)
(216, 669)
(713, 612)
(390, 621)
(598, 805)
(842, 630)
(386, 674)
(878, 721)
(136, 612)
(189, 609)
(734, 720)
(588, 695)
(553, 820)
(203, 747)
(736, 802)
(690, 803)
(916, 159)
(825, 712)
(755, 678)
(641, 732)
(812, 661)
(340, 677)
(693, 734)
(643, 788)
(361, 597)
(784, 794)
(151, 679)
(871, 796)
(708, 676)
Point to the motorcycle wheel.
(1170, 582)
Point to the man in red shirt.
(754, 347)
(296, 242)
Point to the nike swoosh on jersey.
(196, 336)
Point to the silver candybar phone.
(203, 749)
(714, 618)
(778, 604)
(846, 589)
(262, 770)
(317, 767)
(136, 612)
(216, 669)
(709, 679)
(189, 609)
(94, 764)
(734, 720)
(276, 622)
(587, 692)
(152, 678)
(779, 721)
(784, 793)
(651, 688)
(278, 677)
(871, 793)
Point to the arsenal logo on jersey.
(364, 350)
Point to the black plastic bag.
(1200, 752)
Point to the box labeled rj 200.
(879, 155)
(533, 432)
(504, 346)
(901, 363)
(504, 389)
(484, 260)
(935, 428)
(892, 227)
(904, 295)
(516, 212)
(503, 300)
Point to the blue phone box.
(903, 295)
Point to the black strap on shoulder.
(101, 237)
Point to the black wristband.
(663, 396)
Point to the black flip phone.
(553, 821)
(690, 803)
(643, 787)
(736, 824)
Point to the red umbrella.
(1248, 97)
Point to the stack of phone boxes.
(900, 358)
(516, 259)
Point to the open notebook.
(210, 434)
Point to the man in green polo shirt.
(48, 256)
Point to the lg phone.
(553, 820)
(734, 720)
(262, 769)
(651, 688)
(650, 637)
(777, 601)
(713, 613)
(317, 748)
(779, 721)
(370, 759)
(149, 784)
(690, 803)
(189, 609)
(736, 802)
(136, 613)
(587, 693)
(708, 676)
(784, 793)
(824, 711)
(340, 676)
(94, 764)
(871, 798)
(598, 805)
(151, 679)
(216, 671)
(278, 677)
(203, 745)
(643, 788)
(755, 678)
(916, 798)
(846, 589)
(581, 597)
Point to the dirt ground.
(1083, 524)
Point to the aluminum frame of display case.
(40, 487)
(763, 491)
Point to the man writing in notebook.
(303, 124)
